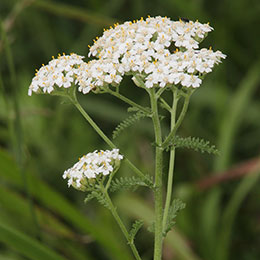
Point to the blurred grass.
(219, 223)
(24, 244)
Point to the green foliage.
(175, 207)
(127, 183)
(29, 247)
(89, 197)
(135, 228)
(128, 122)
(137, 207)
(100, 196)
(194, 143)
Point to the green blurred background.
(40, 218)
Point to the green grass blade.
(27, 246)
(53, 230)
(235, 114)
(73, 12)
(19, 216)
(231, 211)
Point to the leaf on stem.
(194, 143)
(100, 196)
(135, 228)
(127, 183)
(175, 207)
(128, 122)
(89, 197)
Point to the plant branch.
(127, 100)
(158, 200)
(165, 105)
(179, 121)
(121, 224)
(171, 162)
(159, 92)
(104, 137)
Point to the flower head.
(60, 72)
(91, 166)
(97, 73)
(164, 52)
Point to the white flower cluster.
(91, 166)
(60, 72)
(97, 73)
(162, 51)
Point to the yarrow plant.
(160, 55)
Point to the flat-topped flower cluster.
(91, 166)
(58, 72)
(162, 52)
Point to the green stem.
(127, 100)
(159, 92)
(179, 121)
(171, 163)
(93, 124)
(121, 224)
(158, 200)
(165, 105)
(104, 137)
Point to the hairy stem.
(171, 163)
(179, 121)
(158, 200)
(127, 100)
(121, 224)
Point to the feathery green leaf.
(194, 143)
(175, 207)
(99, 196)
(135, 228)
(128, 122)
(127, 183)
(89, 197)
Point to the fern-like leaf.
(175, 207)
(127, 183)
(89, 197)
(128, 122)
(194, 143)
(135, 228)
(101, 198)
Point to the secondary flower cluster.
(91, 166)
(59, 72)
(162, 52)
